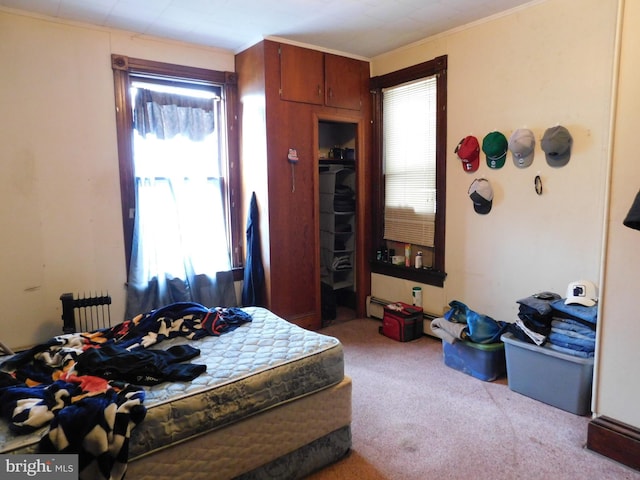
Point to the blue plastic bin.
(483, 361)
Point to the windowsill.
(422, 275)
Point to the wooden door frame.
(363, 212)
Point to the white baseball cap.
(582, 292)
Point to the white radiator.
(375, 309)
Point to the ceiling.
(363, 28)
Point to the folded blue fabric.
(569, 325)
(580, 344)
(571, 334)
(569, 351)
(540, 302)
(588, 314)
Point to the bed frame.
(290, 441)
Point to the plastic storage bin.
(555, 378)
(483, 361)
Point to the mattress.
(288, 441)
(257, 367)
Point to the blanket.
(87, 386)
(449, 331)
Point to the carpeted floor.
(416, 418)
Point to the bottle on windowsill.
(418, 260)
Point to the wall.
(59, 178)
(616, 371)
(531, 68)
(59, 174)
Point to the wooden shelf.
(422, 275)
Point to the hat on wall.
(522, 144)
(582, 292)
(481, 195)
(468, 151)
(556, 144)
(495, 147)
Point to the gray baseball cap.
(556, 144)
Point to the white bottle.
(416, 294)
(419, 260)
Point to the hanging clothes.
(253, 285)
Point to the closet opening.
(337, 187)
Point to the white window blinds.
(409, 146)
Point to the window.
(409, 149)
(178, 192)
(409, 159)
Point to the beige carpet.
(416, 418)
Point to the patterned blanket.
(86, 386)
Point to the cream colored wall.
(59, 165)
(618, 391)
(531, 68)
(59, 174)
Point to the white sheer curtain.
(180, 239)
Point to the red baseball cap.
(468, 151)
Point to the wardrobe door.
(301, 74)
(343, 81)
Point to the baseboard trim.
(616, 440)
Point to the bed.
(274, 402)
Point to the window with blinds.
(409, 157)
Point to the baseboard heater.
(375, 309)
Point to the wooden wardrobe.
(285, 91)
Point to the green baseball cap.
(495, 147)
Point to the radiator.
(86, 313)
(375, 309)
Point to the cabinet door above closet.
(301, 74)
(343, 82)
(310, 76)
